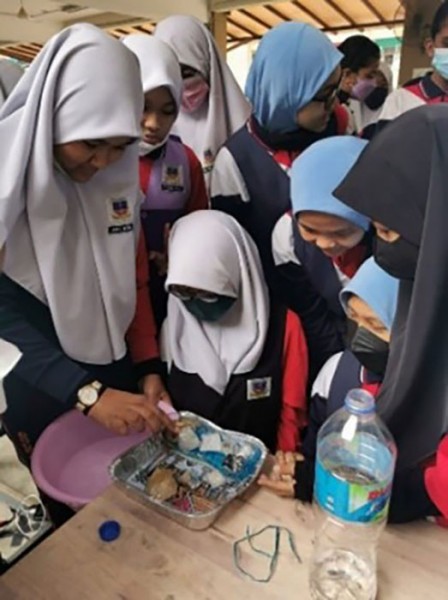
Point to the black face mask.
(376, 98)
(371, 351)
(399, 258)
(343, 96)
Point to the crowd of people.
(249, 257)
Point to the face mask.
(440, 61)
(343, 96)
(144, 148)
(209, 311)
(399, 258)
(376, 98)
(363, 88)
(371, 351)
(194, 94)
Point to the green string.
(272, 556)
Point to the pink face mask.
(363, 88)
(194, 94)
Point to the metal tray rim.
(175, 513)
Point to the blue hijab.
(377, 288)
(291, 64)
(319, 170)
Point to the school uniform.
(250, 180)
(224, 110)
(247, 371)
(73, 296)
(418, 92)
(344, 372)
(173, 185)
(171, 176)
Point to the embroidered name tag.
(120, 217)
(173, 178)
(259, 388)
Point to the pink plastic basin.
(71, 458)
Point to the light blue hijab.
(377, 288)
(291, 64)
(319, 170)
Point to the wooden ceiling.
(251, 23)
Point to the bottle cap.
(109, 531)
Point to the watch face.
(88, 395)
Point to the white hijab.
(227, 109)
(10, 74)
(210, 251)
(83, 85)
(159, 67)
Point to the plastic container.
(71, 459)
(354, 471)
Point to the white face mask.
(440, 61)
(144, 148)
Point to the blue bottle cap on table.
(109, 531)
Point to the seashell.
(187, 440)
(211, 442)
(161, 485)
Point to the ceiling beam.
(254, 18)
(341, 12)
(242, 27)
(363, 26)
(373, 9)
(276, 12)
(241, 42)
(311, 14)
(142, 29)
(16, 54)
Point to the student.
(72, 296)
(359, 67)
(233, 356)
(400, 181)
(368, 113)
(10, 74)
(170, 174)
(293, 107)
(339, 237)
(431, 88)
(370, 300)
(213, 106)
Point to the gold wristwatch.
(89, 395)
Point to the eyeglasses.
(185, 296)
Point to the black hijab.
(401, 180)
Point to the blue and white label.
(348, 499)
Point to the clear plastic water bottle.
(354, 470)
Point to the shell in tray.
(193, 476)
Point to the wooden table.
(156, 559)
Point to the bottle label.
(350, 495)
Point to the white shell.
(188, 440)
(211, 442)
